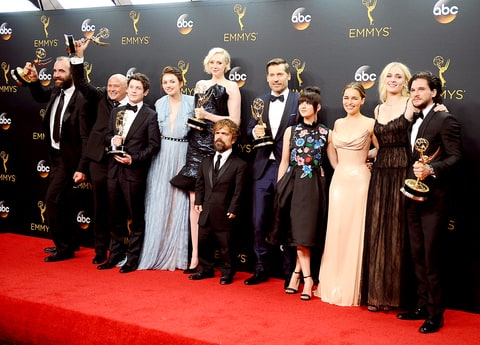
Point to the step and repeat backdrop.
(327, 43)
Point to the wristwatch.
(432, 171)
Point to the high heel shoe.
(306, 296)
(290, 290)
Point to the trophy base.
(260, 142)
(195, 123)
(415, 190)
(117, 150)
(20, 77)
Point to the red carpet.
(72, 303)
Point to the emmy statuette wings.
(258, 106)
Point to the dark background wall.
(327, 43)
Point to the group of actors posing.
(173, 177)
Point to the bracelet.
(432, 171)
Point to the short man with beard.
(218, 194)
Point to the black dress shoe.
(99, 258)
(225, 280)
(107, 265)
(201, 275)
(257, 278)
(431, 325)
(59, 257)
(50, 249)
(190, 270)
(127, 268)
(417, 314)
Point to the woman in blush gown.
(165, 245)
(341, 265)
(222, 100)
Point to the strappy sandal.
(306, 296)
(289, 290)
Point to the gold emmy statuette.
(103, 33)
(41, 59)
(202, 95)
(120, 121)
(415, 189)
(258, 106)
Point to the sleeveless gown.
(165, 245)
(200, 144)
(341, 265)
(384, 262)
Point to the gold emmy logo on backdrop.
(415, 189)
(240, 11)
(120, 122)
(135, 18)
(41, 59)
(87, 67)
(6, 69)
(42, 207)
(46, 22)
(203, 94)
(184, 67)
(258, 106)
(297, 64)
(4, 157)
(370, 5)
(442, 66)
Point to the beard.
(220, 146)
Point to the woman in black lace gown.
(221, 99)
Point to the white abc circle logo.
(300, 20)
(184, 25)
(444, 14)
(86, 27)
(4, 30)
(238, 77)
(4, 120)
(365, 78)
(43, 75)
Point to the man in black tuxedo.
(280, 113)
(127, 173)
(218, 193)
(428, 220)
(105, 99)
(66, 126)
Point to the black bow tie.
(115, 103)
(131, 107)
(274, 98)
(417, 116)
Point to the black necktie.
(217, 164)
(58, 115)
(131, 107)
(274, 98)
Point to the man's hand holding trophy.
(28, 74)
(258, 106)
(202, 95)
(415, 189)
(117, 146)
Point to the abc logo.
(83, 221)
(87, 28)
(4, 210)
(43, 169)
(300, 20)
(4, 121)
(44, 77)
(184, 25)
(5, 31)
(444, 14)
(237, 77)
(365, 78)
(131, 71)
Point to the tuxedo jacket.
(289, 118)
(95, 149)
(442, 130)
(142, 143)
(75, 129)
(221, 195)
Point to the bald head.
(117, 87)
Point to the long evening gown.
(385, 231)
(200, 144)
(165, 245)
(341, 265)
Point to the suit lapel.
(136, 123)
